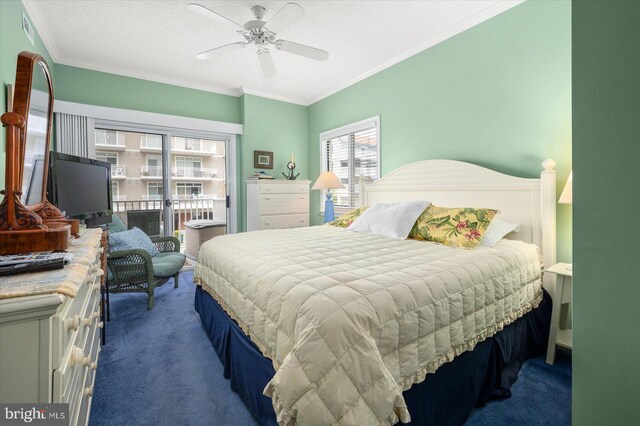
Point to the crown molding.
(297, 101)
(80, 63)
(42, 29)
(485, 14)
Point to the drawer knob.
(73, 323)
(266, 223)
(301, 220)
(100, 324)
(94, 365)
(99, 273)
(267, 198)
(88, 391)
(78, 357)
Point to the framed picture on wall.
(263, 159)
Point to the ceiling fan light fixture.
(262, 34)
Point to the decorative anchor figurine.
(291, 166)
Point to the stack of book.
(260, 175)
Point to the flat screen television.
(80, 187)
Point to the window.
(189, 189)
(109, 157)
(353, 153)
(154, 160)
(188, 163)
(115, 192)
(154, 191)
(154, 166)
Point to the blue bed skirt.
(443, 398)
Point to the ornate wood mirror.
(28, 222)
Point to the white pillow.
(497, 230)
(391, 220)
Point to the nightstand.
(562, 294)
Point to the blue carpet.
(158, 367)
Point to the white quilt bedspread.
(352, 320)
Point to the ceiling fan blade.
(302, 50)
(286, 16)
(210, 14)
(208, 54)
(266, 63)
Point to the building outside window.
(154, 191)
(154, 165)
(109, 157)
(188, 189)
(352, 153)
(115, 192)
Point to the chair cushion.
(116, 225)
(131, 239)
(167, 264)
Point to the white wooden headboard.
(531, 203)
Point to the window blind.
(353, 157)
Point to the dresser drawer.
(283, 204)
(284, 188)
(284, 221)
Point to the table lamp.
(567, 193)
(328, 181)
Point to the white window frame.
(157, 185)
(155, 157)
(190, 159)
(188, 185)
(358, 126)
(115, 184)
(108, 153)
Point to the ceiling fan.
(262, 34)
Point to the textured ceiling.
(158, 40)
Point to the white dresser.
(278, 203)
(50, 332)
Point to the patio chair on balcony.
(135, 270)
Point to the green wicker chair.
(137, 271)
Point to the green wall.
(13, 40)
(276, 126)
(606, 133)
(498, 95)
(99, 88)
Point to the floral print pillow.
(347, 219)
(458, 227)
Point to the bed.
(348, 328)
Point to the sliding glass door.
(164, 182)
(198, 184)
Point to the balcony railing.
(151, 171)
(180, 172)
(118, 170)
(151, 198)
(206, 206)
(151, 142)
(109, 138)
(119, 197)
(193, 172)
(192, 145)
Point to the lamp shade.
(567, 193)
(327, 180)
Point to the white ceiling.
(158, 40)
